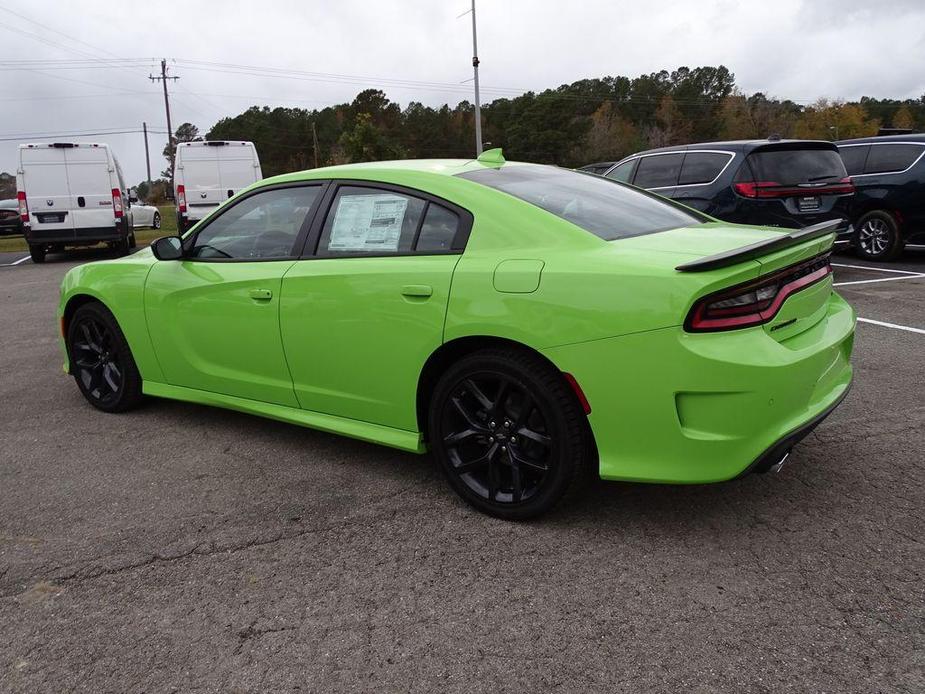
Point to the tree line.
(589, 120)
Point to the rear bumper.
(78, 237)
(675, 407)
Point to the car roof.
(743, 146)
(437, 167)
(911, 137)
(9, 204)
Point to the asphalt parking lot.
(186, 548)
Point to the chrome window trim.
(731, 155)
(881, 144)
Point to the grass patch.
(12, 244)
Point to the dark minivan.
(888, 210)
(785, 183)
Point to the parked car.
(9, 217)
(785, 183)
(72, 194)
(208, 173)
(888, 210)
(145, 216)
(597, 168)
(518, 320)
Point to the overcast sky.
(419, 50)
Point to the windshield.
(606, 208)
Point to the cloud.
(419, 50)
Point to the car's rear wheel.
(122, 246)
(37, 253)
(508, 433)
(156, 221)
(878, 236)
(101, 361)
(132, 243)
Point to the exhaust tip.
(780, 463)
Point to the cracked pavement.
(186, 548)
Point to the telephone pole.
(475, 79)
(144, 127)
(475, 70)
(162, 78)
(315, 143)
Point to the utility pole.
(144, 127)
(475, 70)
(315, 143)
(171, 149)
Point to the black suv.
(786, 183)
(888, 210)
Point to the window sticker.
(368, 222)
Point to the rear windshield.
(792, 166)
(604, 207)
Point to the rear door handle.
(261, 294)
(419, 290)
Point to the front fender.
(118, 285)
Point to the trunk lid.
(799, 312)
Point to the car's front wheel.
(878, 236)
(508, 433)
(101, 361)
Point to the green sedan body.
(342, 298)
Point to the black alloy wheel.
(509, 433)
(101, 361)
(156, 221)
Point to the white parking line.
(881, 279)
(892, 325)
(16, 262)
(877, 269)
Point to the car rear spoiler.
(755, 250)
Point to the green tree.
(365, 142)
(186, 132)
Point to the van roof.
(214, 143)
(62, 145)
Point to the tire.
(122, 246)
(132, 243)
(156, 221)
(877, 237)
(520, 459)
(101, 361)
(37, 252)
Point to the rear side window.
(624, 172)
(892, 158)
(599, 205)
(370, 221)
(438, 230)
(658, 171)
(793, 166)
(854, 158)
(702, 167)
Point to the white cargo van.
(208, 173)
(72, 194)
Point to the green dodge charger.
(526, 324)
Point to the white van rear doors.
(44, 171)
(237, 167)
(91, 177)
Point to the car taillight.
(23, 206)
(117, 203)
(755, 302)
(772, 189)
(181, 198)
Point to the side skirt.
(374, 433)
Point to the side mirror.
(167, 248)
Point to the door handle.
(261, 294)
(418, 290)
